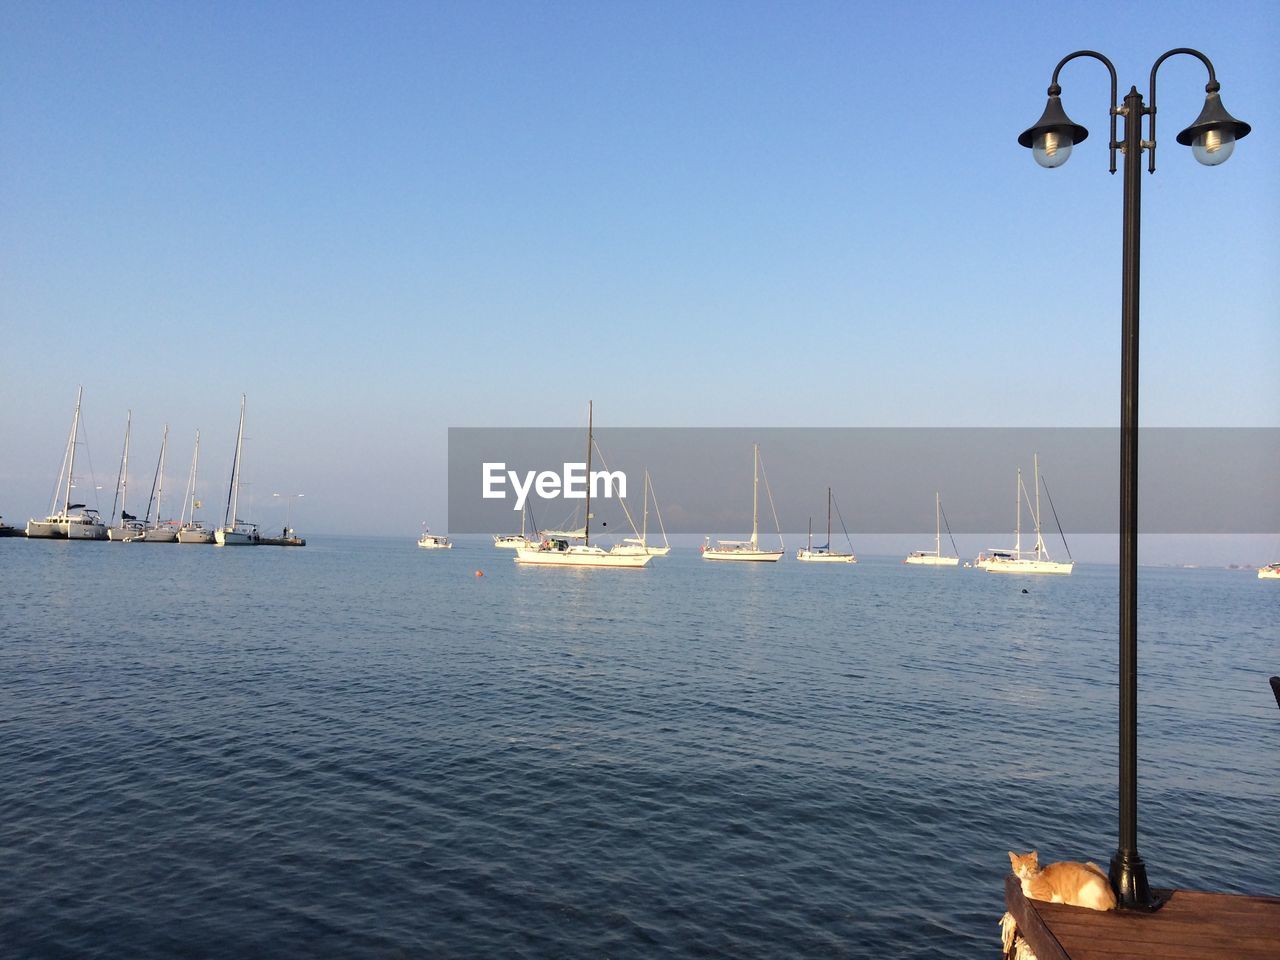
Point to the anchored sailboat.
(935, 558)
(513, 541)
(130, 527)
(159, 532)
(640, 544)
(234, 532)
(555, 549)
(1012, 561)
(750, 549)
(824, 553)
(191, 530)
(67, 520)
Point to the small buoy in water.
(480, 573)
(1024, 589)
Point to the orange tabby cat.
(1075, 884)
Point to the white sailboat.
(640, 544)
(130, 527)
(67, 520)
(749, 550)
(825, 554)
(234, 532)
(1270, 572)
(935, 558)
(191, 530)
(556, 549)
(514, 541)
(159, 532)
(1012, 561)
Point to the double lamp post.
(1212, 138)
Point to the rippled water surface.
(359, 749)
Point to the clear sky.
(382, 220)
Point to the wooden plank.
(1193, 925)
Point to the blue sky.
(383, 220)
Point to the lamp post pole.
(1212, 138)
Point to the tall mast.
(1039, 538)
(71, 452)
(122, 481)
(233, 495)
(937, 537)
(811, 534)
(644, 523)
(1017, 527)
(828, 519)
(755, 500)
(586, 524)
(189, 498)
(164, 445)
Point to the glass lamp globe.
(1214, 146)
(1052, 148)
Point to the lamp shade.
(1215, 131)
(1053, 120)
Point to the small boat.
(640, 544)
(1270, 572)
(558, 549)
(130, 527)
(191, 530)
(433, 541)
(235, 532)
(824, 553)
(1012, 561)
(749, 550)
(935, 558)
(70, 521)
(514, 541)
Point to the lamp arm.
(1211, 87)
(1054, 89)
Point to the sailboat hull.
(1021, 565)
(45, 530)
(235, 538)
(822, 556)
(757, 556)
(580, 556)
(513, 542)
(195, 535)
(932, 560)
(161, 535)
(1271, 572)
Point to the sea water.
(361, 749)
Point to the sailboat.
(130, 527)
(934, 558)
(191, 530)
(234, 532)
(1270, 572)
(67, 520)
(749, 549)
(556, 548)
(159, 532)
(1012, 561)
(513, 541)
(433, 541)
(825, 554)
(640, 544)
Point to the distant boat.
(191, 530)
(1012, 561)
(130, 527)
(824, 553)
(749, 550)
(514, 541)
(433, 541)
(234, 532)
(1270, 572)
(935, 558)
(159, 532)
(559, 549)
(640, 544)
(67, 520)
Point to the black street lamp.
(1211, 138)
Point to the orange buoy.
(479, 573)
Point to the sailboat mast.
(233, 495)
(122, 481)
(586, 524)
(1017, 526)
(71, 452)
(828, 519)
(811, 534)
(1039, 539)
(644, 522)
(937, 537)
(755, 499)
(164, 445)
